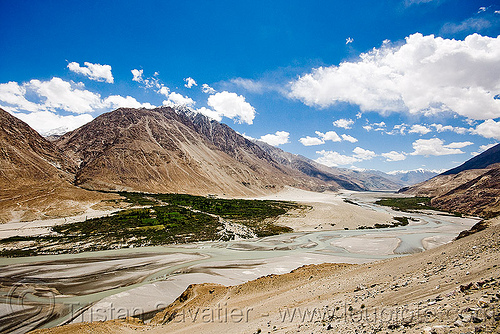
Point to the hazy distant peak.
(416, 171)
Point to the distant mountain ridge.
(345, 178)
(473, 187)
(410, 177)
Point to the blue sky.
(387, 85)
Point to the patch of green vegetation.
(350, 202)
(400, 221)
(153, 227)
(168, 219)
(139, 199)
(407, 203)
(403, 221)
(251, 213)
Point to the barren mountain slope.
(35, 176)
(442, 184)
(164, 150)
(473, 187)
(27, 158)
(479, 196)
(481, 161)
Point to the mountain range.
(406, 177)
(175, 150)
(342, 177)
(165, 149)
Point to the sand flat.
(368, 244)
(328, 211)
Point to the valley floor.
(454, 288)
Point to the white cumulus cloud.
(311, 141)
(321, 139)
(421, 129)
(456, 129)
(190, 82)
(349, 138)
(96, 72)
(332, 159)
(48, 123)
(363, 154)
(394, 156)
(118, 101)
(178, 99)
(12, 93)
(205, 88)
(460, 144)
(425, 75)
(488, 129)
(39, 102)
(375, 126)
(398, 129)
(435, 146)
(278, 138)
(233, 106)
(137, 75)
(164, 91)
(59, 94)
(329, 135)
(56, 95)
(343, 123)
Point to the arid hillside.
(26, 158)
(472, 188)
(177, 150)
(161, 150)
(35, 176)
(164, 150)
